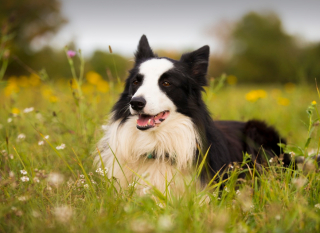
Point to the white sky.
(171, 24)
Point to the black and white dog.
(160, 121)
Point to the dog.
(160, 127)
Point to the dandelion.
(27, 110)
(317, 206)
(61, 147)
(314, 103)
(23, 172)
(21, 136)
(9, 120)
(46, 137)
(63, 213)
(71, 53)
(55, 178)
(24, 179)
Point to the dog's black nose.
(138, 103)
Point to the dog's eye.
(166, 84)
(135, 82)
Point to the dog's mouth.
(147, 121)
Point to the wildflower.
(93, 77)
(254, 95)
(278, 217)
(314, 102)
(23, 172)
(55, 178)
(40, 143)
(271, 160)
(100, 171)
(15, 111)
(46, 137)
(82, 176)
(11, 174)
(21, 136)
(317, 206)
(23, 198)
(71, 53)
(93, 182)
(226, 189)
(24, 179)
(61, 147)
(86, 186)
(238, 192)
(165, 222)
(11, 156)
(62, 213)
(146, 190)
(27, 110)
(36, 180)
(132, 184)
(9, 120)
(283, 101)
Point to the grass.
(64, 192)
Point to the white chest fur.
(173, 146)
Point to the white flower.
(27, 110)
(165, 222)
(11, 156)
(40, 143)
(62, 213)
(46, 137)
(55, 178)
(146, 190)
(317, 205)
(86, 186)
(36, 180)
(23, 198)
(9, 120)
(82, 176)
(24, 179)
(100, 171)
(226, 189)
(238, 192)
(11, 174)
(21, 136)
(23, 172)
(271, 160)
(61, 147)
(278, 217)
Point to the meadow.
(48, 131)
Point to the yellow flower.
(23, 81)
(232, 80)
(74, 84)
(15, 111)
(34, 80)
(12, 87)
(87, 88)
(103, 86)
(254, 95)
(93, 77)
(314, 102)
(46, 91)
(53, 99)
(283, 101)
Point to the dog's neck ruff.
(172, 146)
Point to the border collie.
(160, 124)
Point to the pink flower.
(71, 53)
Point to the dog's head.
(158, 86)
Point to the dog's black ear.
(144, 51)
(198, 61)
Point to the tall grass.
(48, 183)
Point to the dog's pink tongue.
(145, 120)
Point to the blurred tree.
(262, 51)
(28, 21)
(310, 63)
